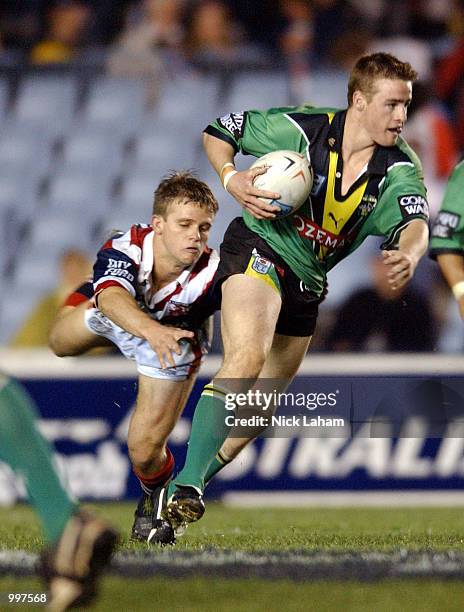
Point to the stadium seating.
(54, 230)
(16, 305)
(19, 191)
(4, 90)
(114, 105)
(92, 151)
(25, 150)
(78, 192)
(257, 91)
(314, 88)
(157, 150)
(46, 103)
(189, 102)
(120, 220)
(137, 191)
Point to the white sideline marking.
(330, 499)
(41, 363)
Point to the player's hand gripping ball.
(288, 173)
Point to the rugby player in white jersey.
(150, 298)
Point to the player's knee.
(246, 361)
(60, 346)
(146, 444)
(56, 344)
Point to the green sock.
(25, 450)
(216, 465)
(209, 430)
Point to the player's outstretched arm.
(403, 261)
(452, 268)
(119, 306)
(239, 183)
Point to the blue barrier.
(399, 432)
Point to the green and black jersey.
(388, 195)
(448, 229)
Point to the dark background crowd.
(135, 36)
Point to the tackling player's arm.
(239, 183)
(115, 289)
(119, 306)
(403, 261)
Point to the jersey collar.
(378, 162)
(145, 274)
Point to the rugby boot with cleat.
(149, 526)
(185, 506)
(161, 531)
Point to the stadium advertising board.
(342, 432)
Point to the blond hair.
(370, 68)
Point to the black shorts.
(244, 252)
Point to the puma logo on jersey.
(331, 215)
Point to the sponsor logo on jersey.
(118, 267)
(318, 183)
(306, 228)
(261, 264)
(233, 122)
(368, 203)
(413, 204)
(335, 220)
(177, 309)
(445, 224)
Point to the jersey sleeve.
(257, 132)
(402, 200)
(448, 228)
(117, 265)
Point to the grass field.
(263, 530)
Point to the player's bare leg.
(159, 405)
(281, 365)
(250, 308)
(70, 336)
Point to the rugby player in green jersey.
(447, 242)
(272, 272)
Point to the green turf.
(202, 595)
(262, 529)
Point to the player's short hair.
(186, 186)
(370, 68)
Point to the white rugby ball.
(288, 173)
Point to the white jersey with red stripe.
(127, 261)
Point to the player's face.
(184, 232)
(385, 113)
